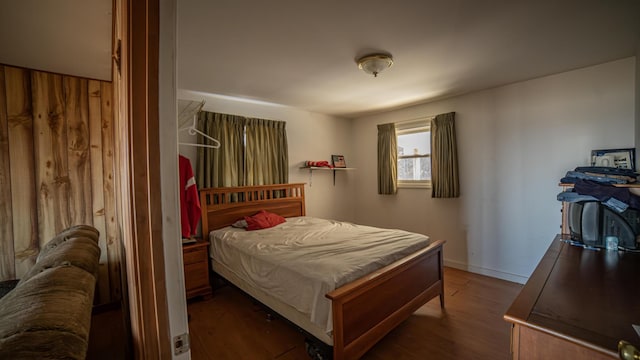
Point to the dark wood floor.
(107, 337)
(231, 326)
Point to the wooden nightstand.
(196, 269)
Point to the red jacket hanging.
(189, 201)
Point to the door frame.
(137, 155)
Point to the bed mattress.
(301, 260)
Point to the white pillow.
(240, 224)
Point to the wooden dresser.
(196, 269)
(577, 304)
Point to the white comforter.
(301, 260)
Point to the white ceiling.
(63, 36)
(302, 53)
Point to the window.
(414, 153)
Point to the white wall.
(515, 143)
(310, 137)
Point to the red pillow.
(263, 220)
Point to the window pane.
(414, 169)
(414, 144)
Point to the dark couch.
(48, 313)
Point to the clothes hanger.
(192, 130)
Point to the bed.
(361, 311)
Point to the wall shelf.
(314, 168)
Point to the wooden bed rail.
(223, 206)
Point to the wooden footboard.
(367, 309)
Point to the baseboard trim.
(484, 271)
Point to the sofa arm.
(48, 313)
(49, 316)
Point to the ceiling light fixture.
(375, 63)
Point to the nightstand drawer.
(196, 276)
(195, 258)
(196, 255)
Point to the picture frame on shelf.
(338, 161)
(618, 158)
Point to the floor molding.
(488, 272)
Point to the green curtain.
(224, 166)
(267, 156)
(444, 157)
(387, 159)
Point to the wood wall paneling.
(57, 169)
(114, 244)
(79, 162)
(7, 255)
(121, 178)
(97, 183)
(21, 159)
(52, 179)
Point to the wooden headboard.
(223, 206)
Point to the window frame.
(412, 127)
